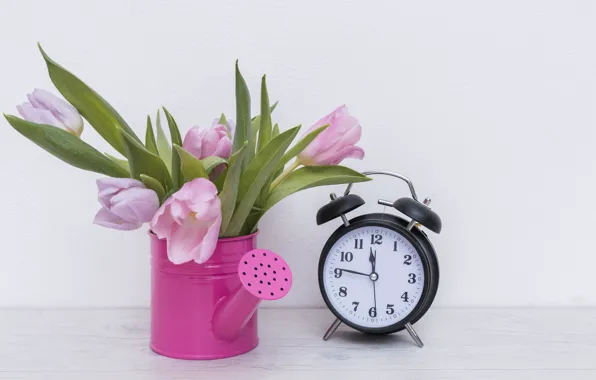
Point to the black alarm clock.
(378, 273)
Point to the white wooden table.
(461, 344)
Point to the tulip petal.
(192, 141)
(162, 220)
(328, 119)
(135, 205)
(209, 242)
(184, 240)
(106, 218)
(347, 140)
(348, 152)
(39, 116)
(108, 187)
(44, 99)
(62, 110)
(179, 211)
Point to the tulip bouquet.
(214, 183)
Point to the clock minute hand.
(373, 261)
(353, 271)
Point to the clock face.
(379, 298)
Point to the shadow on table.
(394, 340)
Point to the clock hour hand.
(353, 271)
(373, 260)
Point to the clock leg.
(332, 329)
(414, 336)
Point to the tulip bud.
(45, 108)
(126, 203)
(335, 143)
(209, 142)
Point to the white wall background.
(487, 105)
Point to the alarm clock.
(378, 273)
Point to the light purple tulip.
(45, 108)
(208, 142)
(335, 143)
(126, 203)
(189, 220)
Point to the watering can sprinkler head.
(265, 275)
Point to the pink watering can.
(209, 311)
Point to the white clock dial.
(353, 288)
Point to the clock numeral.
(390, 309)
(395, 246)
(407, 259)
(338, 272)
(343, 291)
(405, 297)
(358, 243)
(355, 305)
(372, 312)
(412, 279)
(376, 239)
(347, 256)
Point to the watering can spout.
(264, 276)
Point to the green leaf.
(142, 161)
(265, 190)
(250, 226)
(212, 162)
(169, 194)
(243, 121)
(67, 147)
(255, 124)
(154, 185)
(275, 131)
(191, 166)
(150, 137)
(256, 175)
(219, 181)
(229, 190)
(98, 112)
(266, 124)
(123, 163)
(163, 145)
(176, 140)
(274, 106)
(280, 168)
(224, 121)
(313, 176)
(299, 147)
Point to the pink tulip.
(45, 108)
(209, 142)
(126, 203)
(189, 220)
(335, 143)
(231, 126)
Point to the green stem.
(284, 174)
